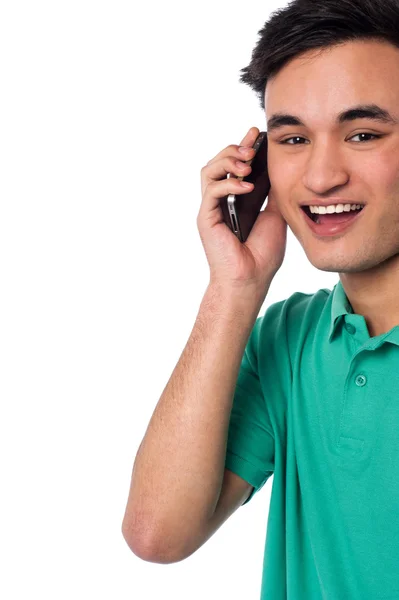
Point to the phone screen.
(241, 211)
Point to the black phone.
(241, 211)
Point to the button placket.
(349, 442)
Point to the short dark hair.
(310, 24)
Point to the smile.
(332, 223)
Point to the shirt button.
(360, 380)
(350, 328)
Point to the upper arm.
(235, 490)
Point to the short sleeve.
(250, 442)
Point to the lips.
(331, 227)
(338, 217)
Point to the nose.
(324, 169)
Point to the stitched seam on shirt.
(249, 463)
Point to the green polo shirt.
(316, 405)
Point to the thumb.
(269, 223)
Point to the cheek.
(379, 182)
(389, 177)
(283, 172)
(380, 173)
(283, 180)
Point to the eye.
(292, 138)
(356, 135)
(364, 133)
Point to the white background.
(108, 112)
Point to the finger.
(216, 190)
(234, 164)
(250, 137)
(232, 149)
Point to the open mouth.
(315, 216)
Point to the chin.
(337, 263)
(337, 269)
(344, 264)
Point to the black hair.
(304, 25)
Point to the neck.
(374, 293)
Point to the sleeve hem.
(247, 471)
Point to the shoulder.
(291, 312)
(285, 326)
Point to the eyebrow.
(361, 111)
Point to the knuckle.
(205, 187)
(232, 163)
(210, 186)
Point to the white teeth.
(334, 208)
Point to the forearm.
(179, 468)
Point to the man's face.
(332, 159)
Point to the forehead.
(320, 83)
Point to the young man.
(309, 391)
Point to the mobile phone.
(241, 211)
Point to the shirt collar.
(340, 306)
